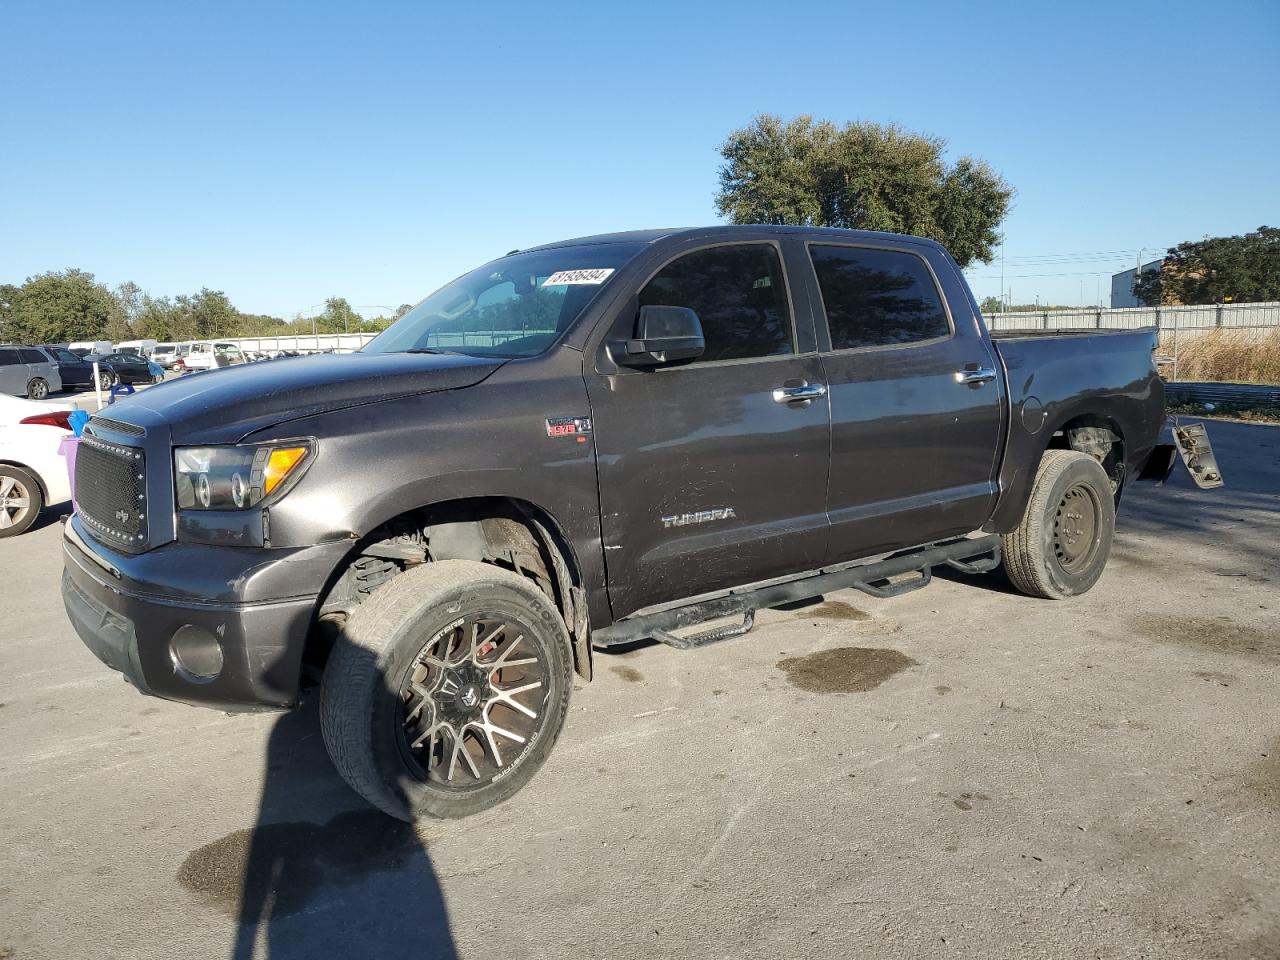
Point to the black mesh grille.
(117, 426)
(110, 487)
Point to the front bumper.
(129, 620)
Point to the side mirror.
(663, 335)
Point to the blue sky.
(286, 153)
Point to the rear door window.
(877, 298)
(738, 292)
(32, 355)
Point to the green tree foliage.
(865, 176)
(61, 306)
(338, 317)
(1240, 269)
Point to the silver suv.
(26, 372)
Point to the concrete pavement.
(958, 772)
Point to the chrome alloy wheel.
(472, 703)
(15, 502)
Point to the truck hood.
(227, 404)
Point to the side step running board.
(976, 555)
(693, 641)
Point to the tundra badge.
(699, 516)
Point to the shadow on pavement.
(321, 874)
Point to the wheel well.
(505, 531)
(1099, 437)
(44, 491)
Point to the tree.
(1239, 269)
(402, 310)
(865, 176)
(8, 297)
(992, 305)
(338, 317)
(61, 307)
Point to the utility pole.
(1002, 269)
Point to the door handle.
(975, 376)
(799, 391)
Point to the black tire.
(21, 500)
(1060, 547)
(106, 380)
(382, 661)
(37, 389)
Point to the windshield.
(513, 307)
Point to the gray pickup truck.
(585, 444)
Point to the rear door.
(706, 480)
(913, 448)
(13, 373)
(38, 365)
(73, 368)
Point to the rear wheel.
(38, 389)
(1060, 547)
(20, 500)
(106, 379)
(446, 690)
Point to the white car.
(208, 356)
(167, 354)
(33, 473)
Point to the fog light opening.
(196, 654)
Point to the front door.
(707, 479)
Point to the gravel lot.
(959, 772)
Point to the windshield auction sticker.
(571, 277)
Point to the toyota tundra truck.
(644, 435)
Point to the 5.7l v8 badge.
(568, 426)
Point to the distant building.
(1122, 284)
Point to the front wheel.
(1060, 547)
(37, 389)
(446, 690)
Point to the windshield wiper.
(433, 350)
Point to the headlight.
(235, 478)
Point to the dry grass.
(1231, 356)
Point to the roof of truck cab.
(729, 231)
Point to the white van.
(85, 347)
(140, 347)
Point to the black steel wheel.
(446, 689)
(1075, 528)
(1060, 547)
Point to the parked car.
(166, 354)
(33, 474)
(207, 356)
(27, 372)
(72, 368)
(582, 445)
(114, 368)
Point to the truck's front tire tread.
(357, 669)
